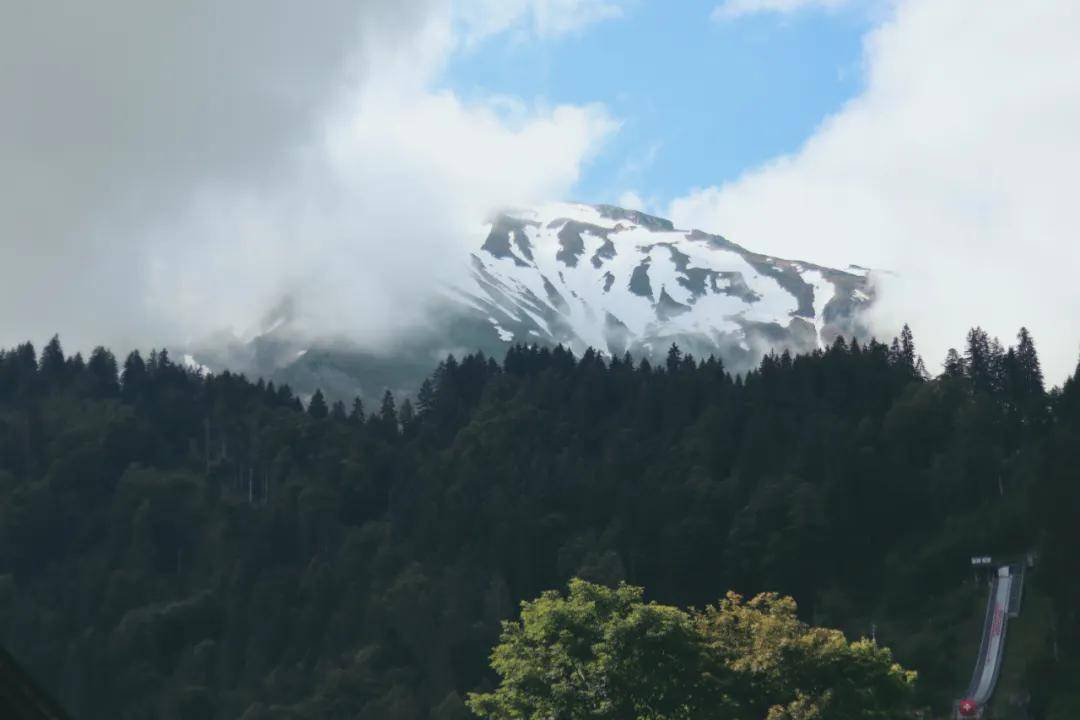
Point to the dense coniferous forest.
(180, 546)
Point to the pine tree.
(134, 376)
(337, 411)
(52, 361)
(388, 417)
(356, 415)
(674, 358)
(285, 395)
(978, 361)
(408, 418)
(317, 407)
(998, 369)
(103, 371)
(425, 399)
(1068, 401)
(954, 364)
(1031, 375)
(908, 356)
(1010, 378)
(920, 369)
(21, 368)
(75, 365)
(26, 357)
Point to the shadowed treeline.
(180, 546)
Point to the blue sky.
(699, 100)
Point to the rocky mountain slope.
(620, 280)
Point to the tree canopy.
(604, 653)
(181, 545)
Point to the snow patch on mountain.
(617, 280)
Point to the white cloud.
(956, 168)
(224, 156)
(634, 200)
(631, 201)
(540, 18)
(380, 216)
(731, 9)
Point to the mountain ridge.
(600, 276)
(620, 280)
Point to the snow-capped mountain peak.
(619, 280)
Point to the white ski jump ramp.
(992, 645)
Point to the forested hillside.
(185, 547)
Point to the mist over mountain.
(603, 277)
(171, 173)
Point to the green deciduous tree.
(595, 653)
(602, 653)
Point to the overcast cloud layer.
(173, 170)
(956, 169)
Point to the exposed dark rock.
(788, 278)
(555, 298)
(647, 221)
(606, 251)
(667, 307)
(609, 280)
(504, 230)
(735, 286)
(639, 280)
(572, 244)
